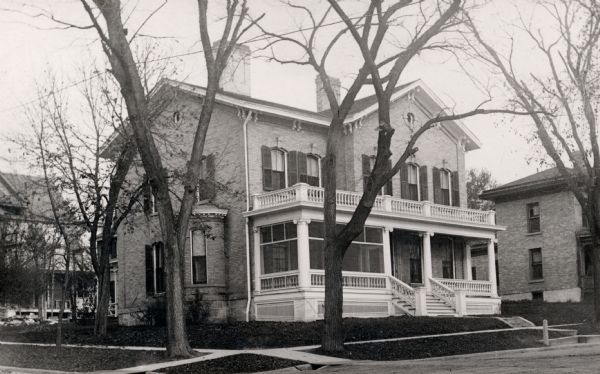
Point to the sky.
(30, 49)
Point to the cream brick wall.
(436, 147)
(560, 218)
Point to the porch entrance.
(407, 262)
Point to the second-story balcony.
(302, 194)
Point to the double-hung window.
(533, 218)
(155, 268)
(445, 187)
(535, 264)
(312, 170)
(198, 247)
(413, 182)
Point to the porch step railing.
(471, 287)
(442, 292)
(403, 291)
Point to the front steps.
(435, 307)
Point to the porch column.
(257, 261)
(303, 253)
(427, 267)
(387, 253)
(467, 264)
(492, 267)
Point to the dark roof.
(24, 192)
(365, 102)
(542, 182)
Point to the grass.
(240, 335)
(555, 313)
(75, 359)
(242, 363)
(442, 346)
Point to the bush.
(153, 313)
(197, 310)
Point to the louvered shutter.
(437, 188)
(388, 190)
(455, 189)
(266, 166)
(404, 193)
(149, 271)
(423, 183)
(366, 170)
(292, 164)
(302, 172)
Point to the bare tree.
(477, 182)
(117, 47)
(430, 24)
(561, 95)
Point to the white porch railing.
(403, 291)
(278, 281)
(352, 280)
(112, 310)
(471, 287)
(443, 292)
(302, 192)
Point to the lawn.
(240, 335)
(242, 363)
(443, 346)
(75, 359)
(555, 313)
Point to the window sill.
(536, 280)
(533, 233)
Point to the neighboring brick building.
(544, 252)
(258, 215)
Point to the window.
(588, 266)
(113, 248)
(537, 295)
(365, 254)
(474, 272)
(274, 164)
(150, 203)
(533, 218)
(445, 187)
(448, 263)
(205, 190)
(113, 291)
(535, 259)
(368, 163)
(312, 170)
(279, 248)
(155, 269)
(198, 248)
(409, 179)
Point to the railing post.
(492, 217)
(255, 202)
(387, 203)
(492, 267)
(387, 255)
(257, 262)
(420, 301)
(461, 302)
(301, 191)
(468, 263)
(427, 208)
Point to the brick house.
(545, 252)
(256, 241)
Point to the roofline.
(523, 187)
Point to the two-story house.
(545, 252)
(255, 247)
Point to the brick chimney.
(236, 75)
(322, 101)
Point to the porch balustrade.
(279, 281)
(303, 193)
(351, 280)
(471, 287)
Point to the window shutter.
(211, 183)
(437, 188)
(149, 271)
(366, 170)
(302, 172)
(404, 193)
(160, 267)
(147, 191)
(455, 189)
(266, 166)
(292, 164)
(388, 190)
(423, 183)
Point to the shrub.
(197, 309)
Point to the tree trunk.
(101, 318)
(333, 334)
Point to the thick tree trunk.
(101, 318)
(333, 334)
